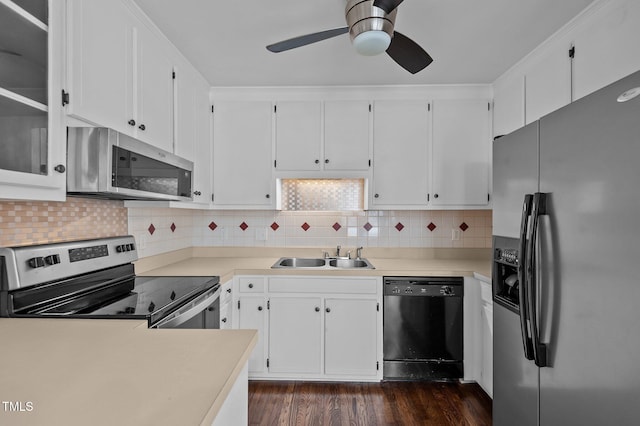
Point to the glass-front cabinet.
(32, 137)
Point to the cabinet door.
(100, 69)
(154, 123)
(32, 135)
(295, 335)
(461, 152)
(400, 150)
(242, 154)
(508, 104)
(193, 138)
(547, 82)
(298, 129)
(346, 135)
(350, 337)
(252, 314)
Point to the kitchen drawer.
(251, 284)
(323, 285)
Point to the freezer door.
(515, 379)
(590, 249)
(515, 173)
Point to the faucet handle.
(348, 254)
(358, 252)
(325, 254)
(338, 251)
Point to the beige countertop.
(116, 372)
(258, 262)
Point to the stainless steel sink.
(298, 262)
(350, 263)
(320, 263)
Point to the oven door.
(203, 312)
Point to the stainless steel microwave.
(105, 163)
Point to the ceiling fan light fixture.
(371, 43)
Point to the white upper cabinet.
(606, 46)
(401, 155)
(547, 82)
(154, 100)
(32, 135)
(346, 135)
(508, 104)
(298, 135)
(461, 152)
(193, 129)
(100, 67)
(242, 165)
(312, 136)
(119, 74)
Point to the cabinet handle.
(435, 195)
(228, 290)
(250, 285)
(376, 196)
(326, 161)
(223, 320)
(267, 196)
(142, 127)
(132, 122)
(317, 309)
(197, 193)
(59, 168)
(328, 310)
(259, 308)
(317, 161)
(211, 309)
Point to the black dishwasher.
(423, 328)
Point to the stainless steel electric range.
(96, 279)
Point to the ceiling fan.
(370, 25)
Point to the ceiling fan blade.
(387, 5)
(408, 54)
(292, 43)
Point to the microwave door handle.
(522, 277)
(197, 306)
(539, 349)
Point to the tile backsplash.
(161, 230)
(38, 222)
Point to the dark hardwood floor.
(386, 403)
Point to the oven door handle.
(184, 314)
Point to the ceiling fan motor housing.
(363, 16)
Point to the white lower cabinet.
(313, 327)
(486, 370)
(252, 314)
(351, 337)
(295, 335)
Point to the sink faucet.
(338, 251)
(358, 252)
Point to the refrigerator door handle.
(527, 342)
(539, 349)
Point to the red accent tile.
(275, 226)
(431, 226)
(244, 226)
(213, 226)
(173, 227)
(367, 226)
(399, 226)
(305, 226)
(151, 229)
(464, 226)
(336, 226)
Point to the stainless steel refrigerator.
(566, 224)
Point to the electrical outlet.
(455, 234)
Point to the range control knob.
(52, 259)
(36, 262)
(447, 290)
